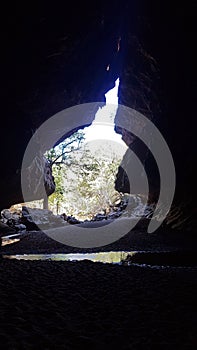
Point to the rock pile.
(35, 219)
(30, 219)
(70, 219)
(128, 206)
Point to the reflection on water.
(139, 258)
(155, 259)
(9, 241)
(104, 257)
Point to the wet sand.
(87, 305)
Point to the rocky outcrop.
(39, 179)
(5, 229)
(157, 80)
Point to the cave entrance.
(85, 167)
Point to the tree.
(58, 157)
(92, 184)
(84, 180)
(61, 154)
(58, 196)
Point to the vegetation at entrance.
(84, 181)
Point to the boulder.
(37, 219)
(6, 230)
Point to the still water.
(104, 257)
(156, 259)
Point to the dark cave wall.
(158, 80)
(55, 56)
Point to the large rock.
(5, 229)
(38, 219)
(38, 180)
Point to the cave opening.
(85, 167)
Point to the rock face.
(39, 172)
(157, 80)
(66, 55)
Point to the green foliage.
(84, 181)
(61, 154)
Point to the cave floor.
(76, 305)
(37, 242)
(86, 305)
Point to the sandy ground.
(38, 242)
(86, 305)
